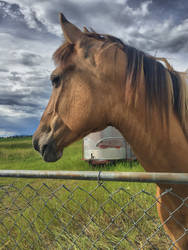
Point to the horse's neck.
(157, 150)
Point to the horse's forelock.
(63, 52)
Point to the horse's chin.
(51, 156)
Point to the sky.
(30, 33)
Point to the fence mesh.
(81, 215)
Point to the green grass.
(18, 153)
(34, 212)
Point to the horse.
(100, 81)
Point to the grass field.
(51, 214)
(17, 153)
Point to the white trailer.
(106, 146)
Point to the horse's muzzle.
(47, 148)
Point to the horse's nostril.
(36, 145)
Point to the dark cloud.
(18, 99)
(14, 22)
(14, 77)
(161, 10)
(4, 70)
(30, 59)
(28, 95)
(177, 44)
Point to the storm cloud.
(30, 33)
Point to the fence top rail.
(149, 177)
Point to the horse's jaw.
(50, 155)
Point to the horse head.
(82, 91)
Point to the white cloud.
(5, 133)
(120, 1)
(29, 16)
(141, 11)
(14, 112)
(37, 10)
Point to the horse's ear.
(85, 30)
(71, 32)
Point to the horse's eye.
(55, 80)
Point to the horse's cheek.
(77, 108)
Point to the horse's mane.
(164, 86)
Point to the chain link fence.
(72, 214)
